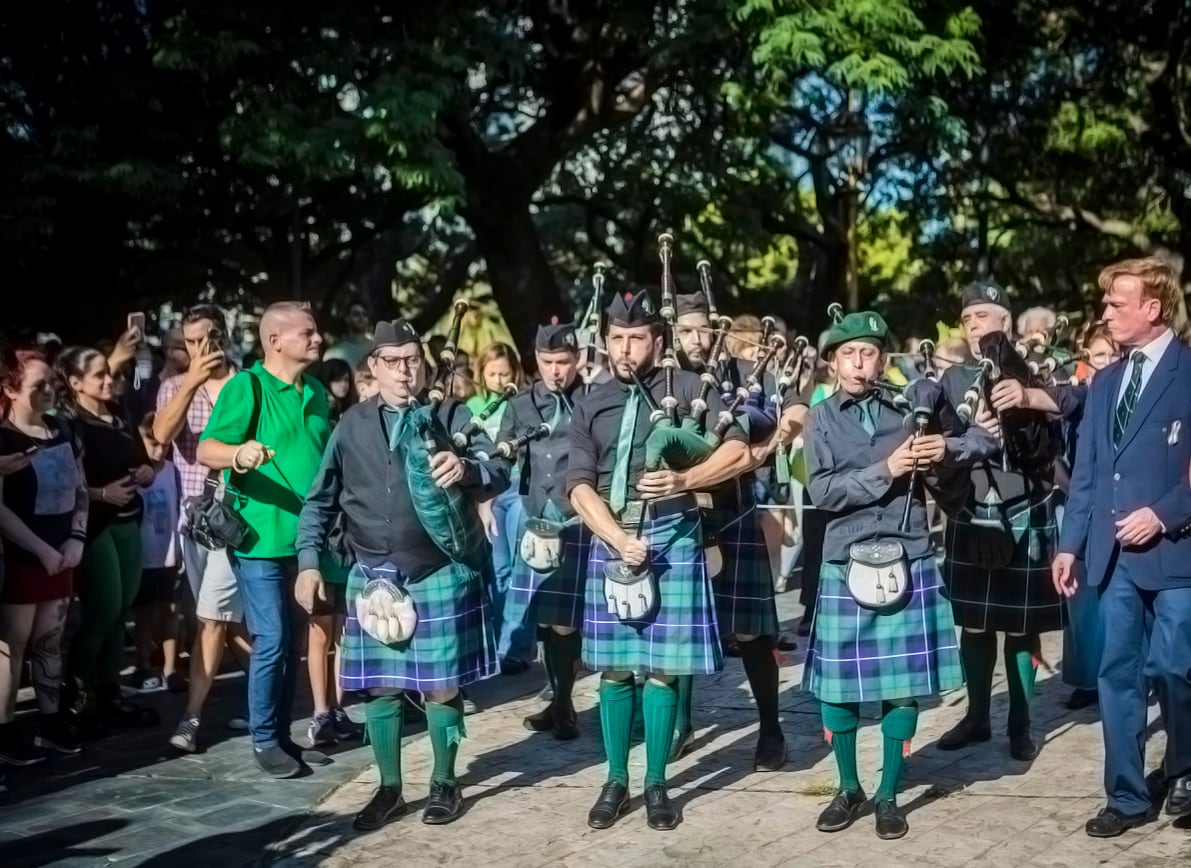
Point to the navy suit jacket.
(1151, 467)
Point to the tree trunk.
(522, 282)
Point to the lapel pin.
(1175, 427)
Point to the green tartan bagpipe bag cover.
(447, 514)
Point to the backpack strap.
(254, 420)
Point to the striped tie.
(1129, 399)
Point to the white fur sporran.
(631, 596)
(878, 576)
(386, 612)
(542, 545)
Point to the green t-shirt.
(294, 424)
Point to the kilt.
(452, 646)
(682, 636)
(1018, 598)
(555, 600)
(744, 601)
(859, 655)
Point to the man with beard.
(548, 573)
(744, 596)
(649, 601)
(1000, 544)
(379, 473)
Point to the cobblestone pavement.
(528, 795)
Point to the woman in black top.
(115, 465)
(43, 517)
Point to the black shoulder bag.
(212, 519)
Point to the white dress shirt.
(1154, 351)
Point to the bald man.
(267, 434)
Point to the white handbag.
(878, 576)
(386, 612)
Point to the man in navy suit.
(1129, 516)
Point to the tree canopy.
(875, 152)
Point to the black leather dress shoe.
(1081, 698)
(1178, 800)
(1110, 822)
(612, 802)
(891, 822)
(681, 744)
(660, 814)
(841, 812)
(967, 731)
(444, 805)
(771, 752)
(386, 804)
(542, 721)
(566, 723)
(1022, 745)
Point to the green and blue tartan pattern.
(682, 637)
(452, 646)
(556, 599)
(861, 655)
(744, 599)
(1018, 598)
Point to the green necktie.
(619, 495)
(557, 417)
(1129, 400)
(866, 407)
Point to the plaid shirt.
(185, 445)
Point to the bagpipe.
(714, 373)
(462, 438)
(590, 333)
(1030, 440)
(444, 370)
(1045, 356)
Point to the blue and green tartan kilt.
(1005, 589)
(682, 636)
(860, 655)
(554, 599)
(744, 601)
(452, 646)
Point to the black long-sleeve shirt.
(595, 427)
(362, 477)
(543, 461)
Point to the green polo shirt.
(293, 422)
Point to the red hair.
(12, 372)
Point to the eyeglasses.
(392, 363)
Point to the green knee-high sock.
(385, 719)
(760, 666)
(685, 686)
(444, 725)
(979, 654)
(1020, 671)
(898, 725)
(637, 731)
(661, 707)
(616, 722)
(839, 727)
(565, 650)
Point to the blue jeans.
(513, 638)
(266, 586)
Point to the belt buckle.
(631, 514)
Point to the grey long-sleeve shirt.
(848, 477)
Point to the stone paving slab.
(528, 795)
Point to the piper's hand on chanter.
(987, 419)
(633, 551)
(901, 461)
(928, 449)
